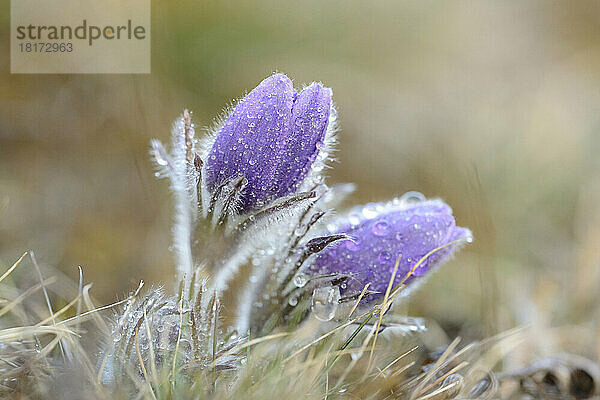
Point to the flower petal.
(251, 139)
(310, 117)
(406, 232)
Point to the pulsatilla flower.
(349, 252)
(252, 195)
(271, 140)
(259, 171)
(419, 235)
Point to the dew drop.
(384, 257)
(331, 227)
(333, 114)
(412, 198)
(354, 219)
(160, 160)
(293, 301)
(300, 280)
(380, 228)
(369, 211)
(325, 302)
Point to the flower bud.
(380, 235)
(272, 138)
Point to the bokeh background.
(493, 106)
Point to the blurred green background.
(493, 106)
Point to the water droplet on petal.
(384, 257)
(412, 198)
(370, 210)
(381, 228)
(354, 219)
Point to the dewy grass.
(295, 364)
(256, 231)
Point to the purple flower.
(380, 234)
(272, 138)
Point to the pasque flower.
(382, 234)
(253, 193)
(271, 139)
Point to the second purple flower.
(382, 234)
